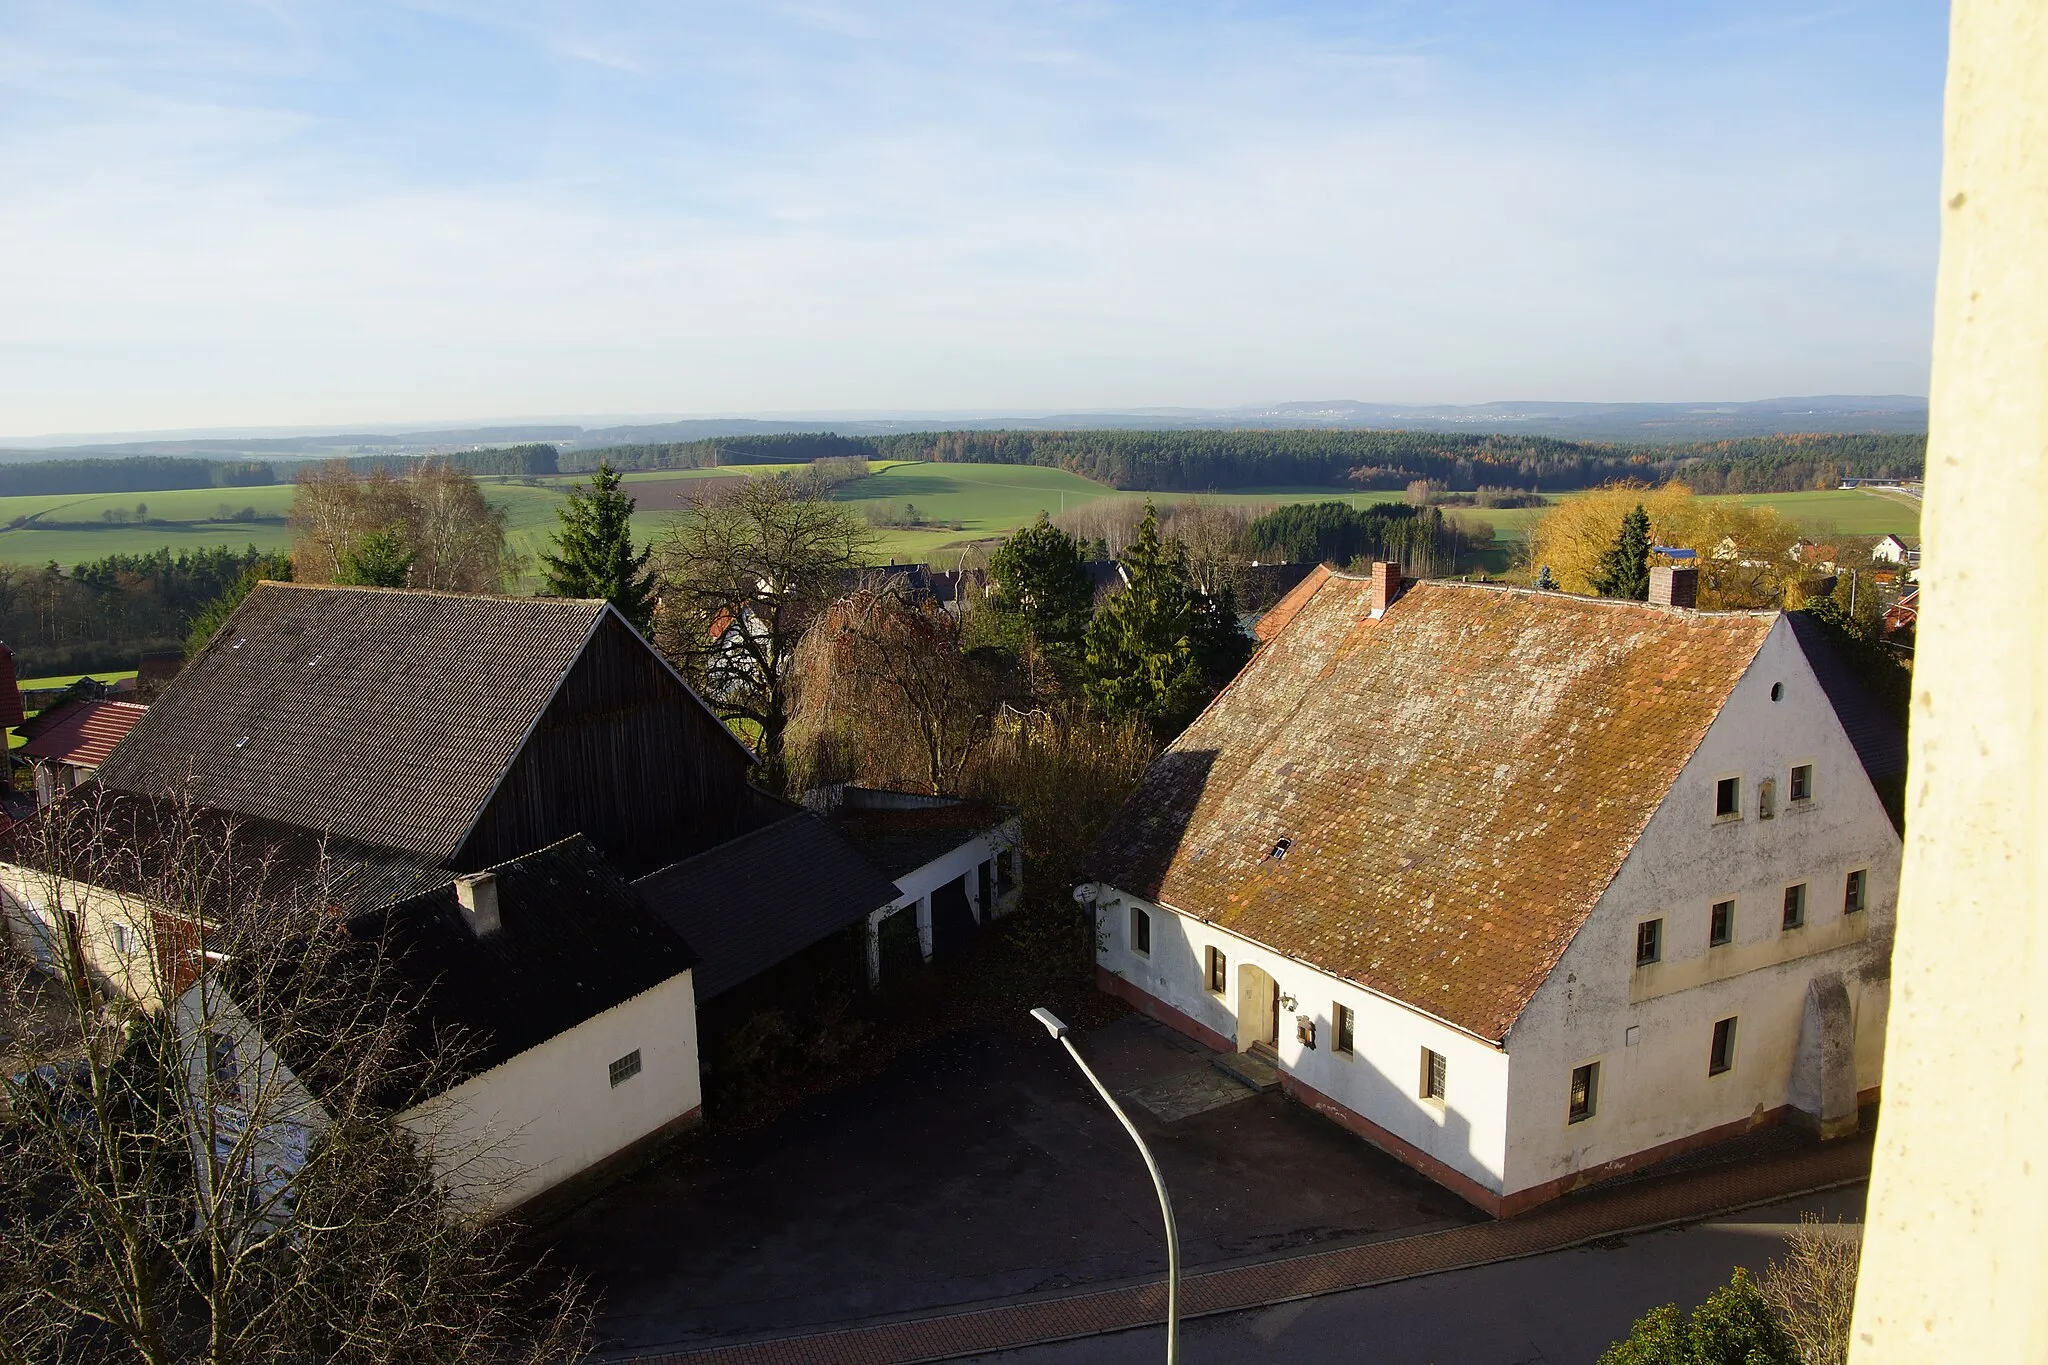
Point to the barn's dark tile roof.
(1458, 782)
(385, 717)
(575, 940)
(764, 897)
(126, 842)
(902, 841)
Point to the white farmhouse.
(570, 1006)
(1526, 889)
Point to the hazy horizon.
(238, 216)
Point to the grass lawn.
(984, 501)
(66, 679)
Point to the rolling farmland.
(958, 504)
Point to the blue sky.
(275, 212)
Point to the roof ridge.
(433, 592)
(1587, 598)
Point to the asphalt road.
(1560, 1309)
(979, 1167)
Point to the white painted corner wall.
(1381, 1081)
(550, 1113)
(1657, 1090)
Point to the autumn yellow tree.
(1745, 553)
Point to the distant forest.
(1193, 461)
(161, 473)
(107, 612)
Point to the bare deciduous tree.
(742, 576)
(456, 538)
(1813, 1290)
(889, 661)
(173, 1188)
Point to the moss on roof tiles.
(1460, 781)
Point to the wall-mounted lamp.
(1287, 1002)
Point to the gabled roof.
(1287, 608)
(574, 941)
(764, 897)
(386, 717)
(1458, 781)
(81, 733)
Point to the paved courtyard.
(976, 1168)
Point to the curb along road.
(1628, 1207)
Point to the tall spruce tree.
(380, 559)
(1625, 565)
(1143, 661)
(1040, 590)
(594, 555)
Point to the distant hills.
(1620, 423)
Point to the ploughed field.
(924, 511)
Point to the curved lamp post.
(1058, 1030)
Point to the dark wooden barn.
(463, 730)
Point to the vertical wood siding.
(623, 755)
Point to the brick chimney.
(1674, 587)
(477, 893)
(1386, 586)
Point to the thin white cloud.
(692, 211)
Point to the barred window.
(626, 1067)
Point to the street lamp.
(1058, 1030)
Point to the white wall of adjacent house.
(557, 1109)
(116, 931)
(1382, 1079)
(1650, 1029)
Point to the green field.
(966, 502)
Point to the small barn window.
(1728, 799)
(1585, 1092)
(1721, 924)
(1795, 906)
(1855, 891)
(1347, 1029)
(1434, 1070)
(1141, 932)
(1649, 942)
(1722, 1058)
(626, 1068)
(1219, 970)
(1801, 788)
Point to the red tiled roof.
(1458, 781)
(81, 733)
(1288, 607)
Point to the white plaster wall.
(533, 1121)
(271, 1091)
(1381, 1080)
(1658, 1089)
